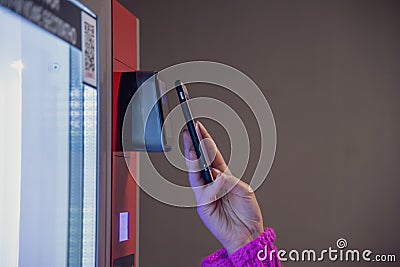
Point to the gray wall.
(331, 73)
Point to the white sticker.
(123, 226)
(89, 49)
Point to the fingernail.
(250, 189)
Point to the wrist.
(232, 248)
(238, 244)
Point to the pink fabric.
(247, 255)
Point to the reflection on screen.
(48, 150)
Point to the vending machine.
(66, 196)
(49, 134)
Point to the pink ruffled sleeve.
(248, 255)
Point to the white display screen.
(48, 148)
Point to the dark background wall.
(331, 73)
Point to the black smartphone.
(183, 97)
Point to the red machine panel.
(124, 188)
(124, 39)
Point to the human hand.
(235, 218)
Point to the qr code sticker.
(89, 37)
(89, 47)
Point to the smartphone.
(183, 97)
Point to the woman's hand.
(235, 218)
